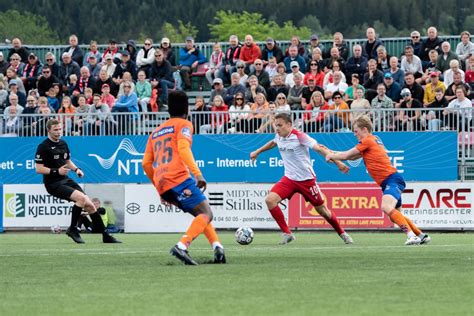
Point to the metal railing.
(394, 45)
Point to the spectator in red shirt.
(249, 53)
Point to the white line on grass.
(98, 251)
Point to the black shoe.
(219, 255)
(183, 255)
(74, 234)
(109, 239)
(425, 240)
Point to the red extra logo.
(355, 205)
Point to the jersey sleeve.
(149, 146)
(40, 154)
(364, 144)
(185, 131)
(306, 140)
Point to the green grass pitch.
(46, 274)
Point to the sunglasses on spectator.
(46, 72)
(147, 44)
(240, 67)
(314, 64)
(258, 64)
(49, 59)
(158, 55)
(415, 37)
(335, 98)
(294, 66)
(239, 99)
(281, 98)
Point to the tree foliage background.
(50, 21)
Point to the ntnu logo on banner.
(125, 166)
(14, 204)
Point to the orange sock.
(197, 226)
(399, 219)
(211, 234)
(413, 227)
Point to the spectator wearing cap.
(369, 48)
(382, 119)
(309, 89)
(411, 63)
(249, 53)
(3, 64)
(68, 67)
(235, 88)
(189, 58)
(294, 67)
(93, 51)
(146, 56)
(217, 89)
(17, 64)
(127, 65)
(19, 49)
(31, 72)
(231, 57)
(465, 48)
(46, 80)
(295, 41)
(261, 74)
(392, 88)
(415, 42)
(431, 87)
(109, 65)
(314, 43)
(112, 50)
(74, 50)
(161, 75)
(409, 117)
(397, 74)
(165, 46)
(94, 66)
(277, 86)
(272, 50)
(357, 63)
(215, 62)
(442, 63)
(293, 56)
(131, 47)
(429, 43)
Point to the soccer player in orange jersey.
(377, 162)
(167, 162)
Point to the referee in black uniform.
(53, 161)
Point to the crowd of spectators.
(90, 90)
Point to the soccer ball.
(244, 235)
(56, 229)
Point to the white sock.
(411, 234)
(217, 244)
(181, 246)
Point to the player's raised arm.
(324, 151)
(271, 144)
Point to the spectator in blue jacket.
(294, 56)
(127, 102)
(189, 59)
(392, 87)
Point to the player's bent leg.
(331, 218)
(272, 201)
(389, 204)
(73, 231)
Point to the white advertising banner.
(29, 205)
(440, 205)
(233, 205)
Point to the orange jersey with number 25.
(169, 170)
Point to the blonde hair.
(363, 121)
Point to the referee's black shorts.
(63, 188)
